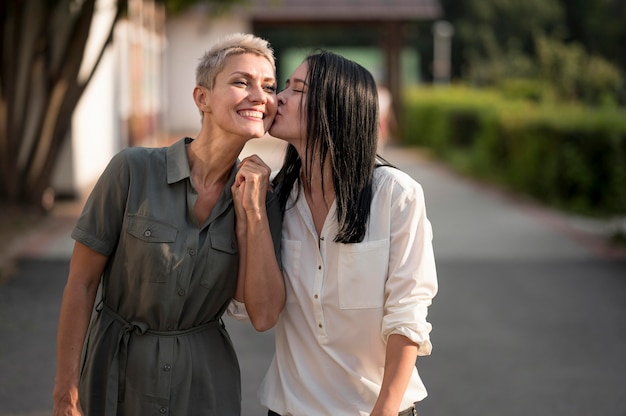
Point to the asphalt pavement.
(530, 318)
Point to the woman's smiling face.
(290, 121)
(243, 98)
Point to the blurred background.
(511, 114)
(529, 95)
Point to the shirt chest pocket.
(362, 274)
(149, 254)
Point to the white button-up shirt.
(345, 300)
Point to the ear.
(201, 98)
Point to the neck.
(314, 186)
(210, 162)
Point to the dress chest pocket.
(149, 251)
(362, 274)
(222, 260)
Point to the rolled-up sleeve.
(412, 278)
(237, 310)
(100, 222)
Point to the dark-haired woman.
(356, 252)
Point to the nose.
(258, 95)
(281, 98)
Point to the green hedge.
(568, 156)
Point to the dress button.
(192, 252)
(320, 325)
(163, 410)
(319, 267)
(167, 367)
(315, 296)
(147, 233)
(181, 292)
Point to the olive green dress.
(157, 344)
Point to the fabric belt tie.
(116, 380)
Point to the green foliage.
(599, 25)
(526, 89)
(576, 75)
(569, 156)
(574, 47)
(496, 37)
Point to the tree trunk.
(43, 44)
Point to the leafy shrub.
(569, 156)
(577, 75)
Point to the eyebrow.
(249, 75)
(296, 80)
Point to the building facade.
(141, 94)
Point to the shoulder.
(397, 188)
(139, 152)
(391, 177)
(139, 156)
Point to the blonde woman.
(158, 233)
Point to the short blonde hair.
(214, 60)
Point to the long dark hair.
(342, 120)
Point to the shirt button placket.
(163, 385)
(319, 313)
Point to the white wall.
(94, 136)
(188, 37)
(95, 132)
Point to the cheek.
(301, 116)
(272, 105)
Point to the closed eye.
(301, 84)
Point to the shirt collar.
(178, 165)
(177, 161)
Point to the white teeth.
(255, 114)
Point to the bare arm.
(399, 362)
(261, 283)
(86, 267)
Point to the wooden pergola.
(381, 23)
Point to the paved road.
(530, 317)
